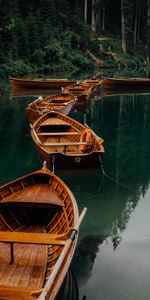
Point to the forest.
(71, 35)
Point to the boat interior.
(58, 135)
(77, 89)
(35, 220)
(41, 106)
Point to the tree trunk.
(103, 17)
(123, 28)
(85, 11)
(135, 24)
(93, 21)
(148, 30)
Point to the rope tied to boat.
(114, 180)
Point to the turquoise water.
(112, 260)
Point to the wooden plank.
(21, 262)
(14, 293)
(30, 266)
(32, 196)
(59, 133)
(40, 262)
(66, 144)
(30, 238)
(11, 268)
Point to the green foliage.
(53, 52)
(78, 59)
(38, 57)
(19, 67)
(52, 35)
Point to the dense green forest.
(72, 35)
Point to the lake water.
(112, 260)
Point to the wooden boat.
(51, 83)
(62, 103)
(83, 93)
(128, 82)
(39, 223)
(66, 144)
(97, 86)
(94, 82)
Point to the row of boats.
(39, 217)
(59, 83)
(62, 141)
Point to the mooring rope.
(115, 180)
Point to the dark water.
(112, 260)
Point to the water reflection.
(69, 289)
(111, 197)
(19, 92)
(125, 91)
(85, 256)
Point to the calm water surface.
(112, 260)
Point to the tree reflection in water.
(85, 255)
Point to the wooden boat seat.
(58, 133)
(54, 122)
(66, 144)
(31, 238)
(32, 196)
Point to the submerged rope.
(116, 181)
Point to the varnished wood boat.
(39, 223)
(51, 83)
(83, 93)
(128, 82)
(96, 85)
(93, 82)
(62, 103)
(66, 144)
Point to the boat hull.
(126, 82)
(40, 83)
(66, 144)
(72, 163)
(38, 196)
(33, 115)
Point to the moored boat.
(93, 82)
(51, 83)
(39, 224)
(96, 85)
(66, 144)
(128, 82)
(62, 103)
(83, 93)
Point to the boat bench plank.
(30, 238)
(66, 144)
(58, 133)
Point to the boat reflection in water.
(69, 289)
(85, 256)
(19, 92)
(112, 91)
(77, 182)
